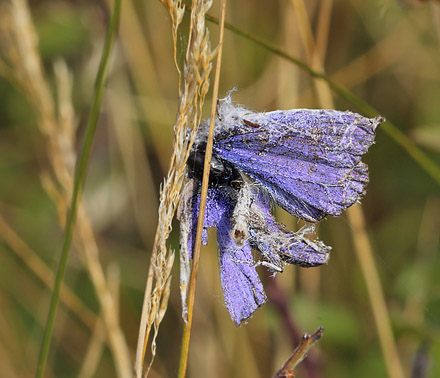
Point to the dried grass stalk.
(21, 61)
(357, 220)
(193, 87)
(39, 268)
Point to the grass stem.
(375, 293)
(420, 157)
(80, 175)
(206, 169)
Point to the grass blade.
(80, 175)
(428, 165)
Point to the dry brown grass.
(56, 120)
(193, 87)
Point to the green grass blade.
(428, 165)
(80, 174)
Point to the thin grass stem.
(366, 261)
(420, 157)
(42, 272)
(80, 175)
(375, 293)
(206, 169)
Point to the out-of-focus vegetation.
(386, 52)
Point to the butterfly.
(307, 161)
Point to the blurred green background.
(386, 52)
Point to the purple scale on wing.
(308, 159)
(277, 244)
(242, 289)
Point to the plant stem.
(421, 158)
(375, 293)
(80, 175)
(206, 169)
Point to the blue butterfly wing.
(309, 160)
(242, 289)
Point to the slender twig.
(80, 174)
(307, 341)
(206, 169)
(279, 299)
